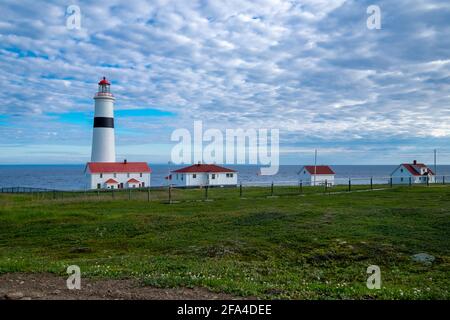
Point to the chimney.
(125, 161)
(415, 162)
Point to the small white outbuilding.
(413, 173)
(203, 175)
(316, 175)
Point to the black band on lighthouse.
(103, 122)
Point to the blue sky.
(309, 68)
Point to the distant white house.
(117, 175)
(203, 175)
(412, 173)
(316, 175)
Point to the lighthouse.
(103, 172)
(103, 143)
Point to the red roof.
(116, 167)
(203, 168)
(319, 169)
(133, 180)
(104, 82)
(111, 181)
(414, 168)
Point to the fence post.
(349, 184)
(148, 194)
(129, 193)
(390, 182)
(326, 185)
(300, 186)
(206, 192)
(271, 189)
(170, 193)
(371, 183)
(428, 181)
(410, 181)
(240, 190)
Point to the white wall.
(94, 179)
(308, 179)
(203, 179)
(401, 175)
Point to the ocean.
(71, 177)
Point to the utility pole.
(315, 166)
(435, 166)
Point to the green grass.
(313, 246)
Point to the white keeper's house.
(203, 175)
(118, 175)
(412, 173)
(316, 175)
(103, 172)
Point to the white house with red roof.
(203, 175)
(118, 175)
(103, 172)
(412, 173)
(316, 175)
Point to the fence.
(244, 190)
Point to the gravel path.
(45, 286)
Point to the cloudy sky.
(311, 69)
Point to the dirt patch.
(44, 286)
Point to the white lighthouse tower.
(103, 143)
(103, 172)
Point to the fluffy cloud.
(310, 68)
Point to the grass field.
(311, 246)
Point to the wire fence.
(244, 190)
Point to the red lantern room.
(104, 87)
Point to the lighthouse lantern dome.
(104, 87)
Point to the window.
(401, 170)
(128, 175)
(140, 174)
(143, 184)
(213, 176)
(401, 179)
(99, 186)
(229, 175)
(194, 176)
(182, 177)
(101, 175)
(115, 175)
